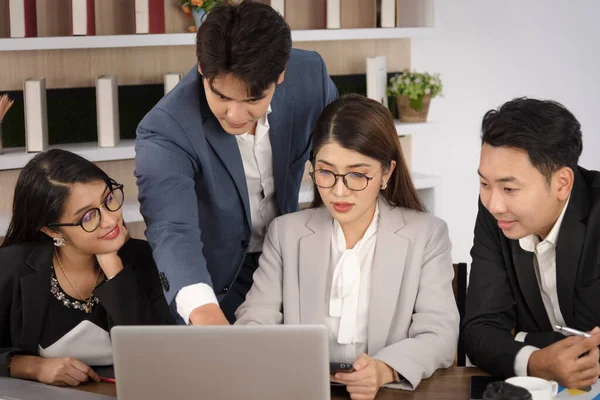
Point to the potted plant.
(197, 9)
(414, 91)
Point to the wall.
(488, 53)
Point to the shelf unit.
(188, 39)
(14, 158)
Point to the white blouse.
(350, 275)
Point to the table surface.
(451, 383)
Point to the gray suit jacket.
(191, 180)
(413, 319)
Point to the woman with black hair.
(69, 272)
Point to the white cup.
(539, 388)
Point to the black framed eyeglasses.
(92, 217)
(326, 179)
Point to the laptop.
(17, 389)
(221, 362)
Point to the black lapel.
(529, 286)
(35, 290)
(568, 248)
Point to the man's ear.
(564, 179)
(281, 77)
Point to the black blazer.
(133, 297)
(503, 292)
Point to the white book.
(142, 16)
(334, 14)
(388, 13)
(79, 18)
(377, 79)
(171, 80)
(279, 6)
(107, 111)
(36, 115)
(17, 18)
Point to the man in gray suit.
(223, 154)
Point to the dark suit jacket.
(503, 291)
(133, 297)
(191, 180)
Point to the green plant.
(197, 5)
(416, 86)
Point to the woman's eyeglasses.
(326, 179)
(92, 217)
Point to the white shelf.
(131, 213)
(14, 158)
(421, 182)
(188, 39)
(415, 128)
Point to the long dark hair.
(42, 188)
(364, 125)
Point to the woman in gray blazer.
(365, 260)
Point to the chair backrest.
(459, 286)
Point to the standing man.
(536, 247)
(223, 154)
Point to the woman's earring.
(59, 242)
(384, 186)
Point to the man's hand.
(572, 362)
(208, 314)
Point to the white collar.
(529, 243)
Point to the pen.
(571, 331)
(109, 380)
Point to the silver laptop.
(221, 362)
(17, 389)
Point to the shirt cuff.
(521, 337)
(193, 296)
(522, 360)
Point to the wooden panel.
(8, 180)
(79, 68)
(121, 171)
(305, 14)
(115, 17)
(53, 18)
(359, 14)
(348, 57)
(4, 32)
(176, 21)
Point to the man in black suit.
(536, 246)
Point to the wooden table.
(451, 383)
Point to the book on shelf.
(387, 13)
(149, 16)
(279, 6)
(171, 80)
(333, 14)
(377, 79)
(107, 111)
(36, 115)
(22, 18)
(83, 17)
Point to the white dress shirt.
(544, 264)
(257, 158)
(350, 276)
